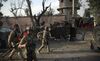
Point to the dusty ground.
(62, 50)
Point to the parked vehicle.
(4, 32)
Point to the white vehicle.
(95, 44)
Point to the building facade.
(66, 8)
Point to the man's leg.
(12, 53)
(6, 53)
(34, 55)
(31, 55)
(21, 54)
(47, 46)
(42, 46)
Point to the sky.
(36, 7)
(83, 7)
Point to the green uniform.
(30, 46)
(13, 42)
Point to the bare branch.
(37, 19)
(15, 6)
(22, 3)
(43, 4)
(44, 11)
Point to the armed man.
(13, 41)
(44, 37)
(29, 42)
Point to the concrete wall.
(25, 21)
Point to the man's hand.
(21, 46)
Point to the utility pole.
(30, 11)
(73, 13)
(73, 29)
(73, 8)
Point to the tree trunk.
(30, 11)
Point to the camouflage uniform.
(30, 45)
(44, 38)
(13, 43)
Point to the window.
(61, 0)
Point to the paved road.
(66, 51)
(73, 51)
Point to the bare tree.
(30, 12)
(1, 14)
(37, 18)
(49, 12)
(15, 8)
(1, 3)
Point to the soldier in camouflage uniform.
(44, 36)
(13, 40)
(30, 44)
